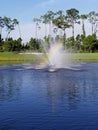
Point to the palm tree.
(45, 21)
(59, 13)
(50, 17)
(1, 26)
(72, 16)
(62, 23)
(93, 19)
(37, 21)
(8, 24)
(16, 22)
(83, 17)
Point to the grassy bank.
(15, 58)
(84, 57)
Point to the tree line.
(61, 21)
(55, 26)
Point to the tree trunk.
(73, 29)
(45, 30)
(92, 28)
(50, 32)
(95, 30)
(83, 28)
(64, 39)
(36, 32)
(19, 30)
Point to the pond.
(40, 100)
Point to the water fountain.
(56, 58)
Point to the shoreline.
(36, 57)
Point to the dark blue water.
(39, 100)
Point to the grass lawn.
(85, 57)
(15, 58)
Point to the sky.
(25, 10)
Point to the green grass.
(85, 57)
(16, 58)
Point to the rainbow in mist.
(57, 58)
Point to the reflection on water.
(37, 99)
(9, 85)
(59, 89)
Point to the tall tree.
(1, 25)
(37, 21)
(93, 19)
(72, 17)
(45, 20)
(16, 22)
(48, 19)
(83, 17)
(62, 23)
(9, 24)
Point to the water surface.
(39, 100)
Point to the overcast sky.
(25, 10)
